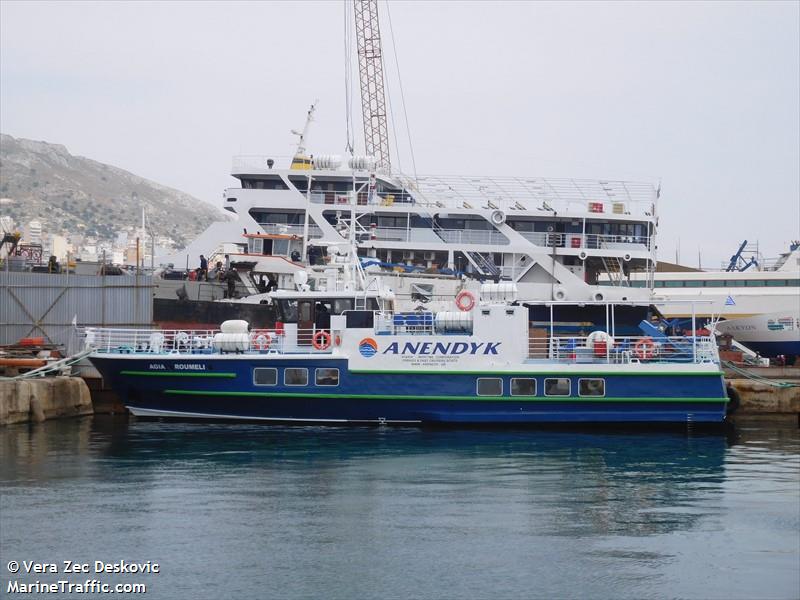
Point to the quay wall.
(45, 305)
(36, 400)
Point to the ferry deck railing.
(296, 230)
(623, 350)
(165, 342)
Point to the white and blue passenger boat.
(362, 363)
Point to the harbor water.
(264, 512)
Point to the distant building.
(33, 232)
(58, 247)
(7, 224)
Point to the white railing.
(588, 241)
(410, 323)
(162, 342)
(257, 163)
(574, 196)
(472, 236)
(294, 229)
(624, 350)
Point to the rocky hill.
(73, 194)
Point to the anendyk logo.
(368, 347)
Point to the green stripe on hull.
(561, 373)
(177, 374)
(466, 398)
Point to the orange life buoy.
(465, 301)
(337, 340)
(261, 340)
(321, 340)
(645, 349)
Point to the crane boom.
(370, 73)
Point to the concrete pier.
(760, 399)
(35, 400)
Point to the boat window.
(342, 304)
(793, 282)
(256, 245)
(490, 386)
(295, 377)
(265, 376)
(659, 284)
(715, 283)
(280, 247)
(755, 283)
(523, 386)
(777, 282)
(267, 183)
(305, 311)
(591, 387)
(327, 376)
(557, 387)
(287, 311)
(694, 283)
(673, 284)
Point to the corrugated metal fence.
(45, 305)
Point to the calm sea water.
(261, 512)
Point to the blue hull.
(772, 349)
(225, 389)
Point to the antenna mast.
(370, 73)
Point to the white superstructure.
(554, 238)
(770, 286)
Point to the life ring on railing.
(645, 349)
(465, 301)
(321, 340)
(261, 341)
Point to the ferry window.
(342, 304)
(305, 311)
(733, 283)
(327, 376)
(523, 386)
(715, 283)
(280, 247)
(776, 282)
(659, 284)
(693, 283)
(490, 386)
(557, 387)
(793, 282)
(673, 284)
(592, 387)
(755, 283)
(265, 376)
(295, 377)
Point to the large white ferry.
(431, 236)
(757, 299)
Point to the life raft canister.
(465, 301)
(321, 340)
(645, 349)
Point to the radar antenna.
(370, 73)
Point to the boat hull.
(223, 388)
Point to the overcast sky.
(704, 96)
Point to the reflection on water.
(324, 512)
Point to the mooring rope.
(758, 378)
(53, 366)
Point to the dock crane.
(736, 258)
(370, 73)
